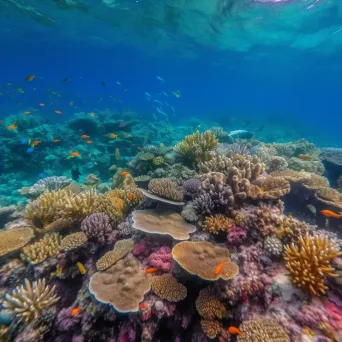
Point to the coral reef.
(97, 227)
(73, 241)
(12, 240)
(215, 224)
(167, 287)
(166, 189)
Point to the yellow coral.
(167, 287)
(73, 241)
(217, 223)
(309, 264)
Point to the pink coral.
(236, 235)
(161, 259)
(335, 315)
(141, 249)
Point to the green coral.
(158, 161)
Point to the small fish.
(30, 150)
(27, 113)
(113, 135)
(219, 268)
(75, 312)
(35, 143)
(305, 157)
(30, 78)
(11, 127)
(75, 154)
(81, 268)
(154, 115)
(138, 148)
(103, 84)
(312, 209)
(41, 104)
(167, 104)
(24, 141)
(158, 102)
(84, 136)
(160, 79)
(58, 112)
(71, 103)
(124, 173)
(165, 94)
(235, 331)
(161, 112)
(151, 270)
(119, 83)
(131, 196)
(143, 306)
(329, 213)
(66, 80)
(177, 93)
(89, 142)
(56, 141)
(148, 94)
(92, 115)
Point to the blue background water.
(276, 86)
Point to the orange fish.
(75, 311)
(92, 115)
(143, 306)
(138, 148)
(89, 142)
(131, 196)
(35, 143)
(235, 331)
(305, 157)
(12, 127)
(74, 154)
(30, 78)
(58, 112)
(151, 270)
(56, 141)
(124, 173)
(27, 113)
(219, 268)
(329, 213)
(41, 104)
(84, 136)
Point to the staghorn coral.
(211, 327)
(27, 301)
(14, 239)
(73, 241)
(194, 148)
(97, 227)
(265, 330)
(162, 222)
(269, 188)
(121, 249)
(309, 264)
(215, 224)
(123, 285)
(273, 246)
(167, 287)
(43, 249)
(201, 258)
(165, 188)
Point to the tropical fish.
(89, 142)
(75, 311)
(41, 104)
(161, 112)
(30, 78)
(92, 115)
(75, 154)
(151, 270)
(329, 213)
(24, 141)
(11, 127)
(158, 102)
(71, 103)
(81, 268)
(113, 135)
(27, 113)
(177, 93)
(84, 136)
(240, 134)
(30, 150)
(124, 173)
(148, 94)
(235, 331)
(131, 196)
(119, 83)
(160, 79)
(219, 268)
(305, 157)
(56, 140)
(58, 112)
(165, 94)
(35, 143)
(124, 89)
(143, 306)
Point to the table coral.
(162, 222)
(309, 264)
(27, 301)
(123, 285)
(14, 239)
(201, 258)
(167, 287)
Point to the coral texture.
(73, 241)
(167, 287)
(215, 224)
(97, 227)
(12, 240)
(165, 188)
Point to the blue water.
(283, 72)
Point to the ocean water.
(137, 73)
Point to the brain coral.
(162, 222)
(202, 258)
(123, 285)
(167, 287)
(12, 240)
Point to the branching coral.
(14, 239)
(309, 264)
(194, 148)
(269, 188)
(165, 188)
(215, 224)
(73, 241)
(202, 258)
(97, 227)
(123, 285)
(26, 302)
(265, 330)
(203, 204)
(167, 287)
(43, 249)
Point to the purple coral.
(191, 187)
(161, 259)
(203, 204)
(237, 235)
(97, 227)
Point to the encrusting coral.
(43, 249)
(162, 222)
(123, 285)
(310, 263)
(265, 330)
(14, 239)
(73, 241)
(201, 258)
(27, 301)
(167, 287)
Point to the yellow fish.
(81, 268)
